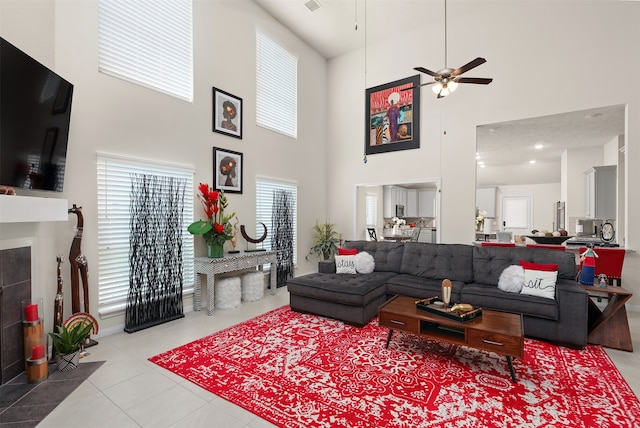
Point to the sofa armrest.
(327, 266)
(573, 310)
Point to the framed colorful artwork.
(227, 113)
(227, 170)
(392, 116)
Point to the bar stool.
(609, 262)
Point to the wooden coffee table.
(497, 332)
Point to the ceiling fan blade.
(468, 66)
(477, 80)
(419, 86)
(424, 70)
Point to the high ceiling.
(330, 30)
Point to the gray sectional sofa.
(417, 269)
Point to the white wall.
(546, 57)
(114, 116)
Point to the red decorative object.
(37, 352)
(31, 313)
(301, 370)
(347, 252)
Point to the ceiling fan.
(447, 80)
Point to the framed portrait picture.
(227, 113)
(227, 170)
(392, 116)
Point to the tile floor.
(129, 391)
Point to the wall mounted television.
(35, 111)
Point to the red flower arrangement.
(217, 227)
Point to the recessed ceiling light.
(532, 161)
(538, 146)
(477, 156)
(482, 166)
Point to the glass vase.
(215, 250)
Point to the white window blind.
(148, 43)
(264, 209)
(114, 188)
(371, 208)
(276, 87)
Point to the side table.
(229, 263)
(609, 327)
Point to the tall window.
(114, 202)
(276, 87)
(148, 43)
(265, 189)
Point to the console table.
(609, 327)
(229, 263)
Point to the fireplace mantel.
(24, 209)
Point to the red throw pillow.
(538, 266)
(347, 252)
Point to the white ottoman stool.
(252, 286)
(228, 292)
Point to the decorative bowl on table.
(548, 240)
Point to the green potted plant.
(325, 240)
(68, 341)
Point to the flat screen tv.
(35, 110)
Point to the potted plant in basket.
(67, 342)
(325, 240)
(217, 228)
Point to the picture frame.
(227, 113)
(398, 102)
(227, 170)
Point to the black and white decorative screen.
(155, 251)
(283, 233)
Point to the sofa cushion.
(489, 262)
(345, 264)
(539, 282)
(358, 289)
(386, 254)
(420, 287)
(438, 261)
(364, 262)
(347, 252)
(511, 279)
(490, 297)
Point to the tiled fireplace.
(15, 286)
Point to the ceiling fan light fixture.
(437, 88)
(452, 85)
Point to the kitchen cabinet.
(600, 192)
(392, 196)
(427, 203)
(486, 201)
(412, 203)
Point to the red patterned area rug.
(306, 371)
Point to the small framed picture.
(227, 170)
(227, 113)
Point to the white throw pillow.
(364, 262)
(540, 283)
(345, 264)
(512, 279)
